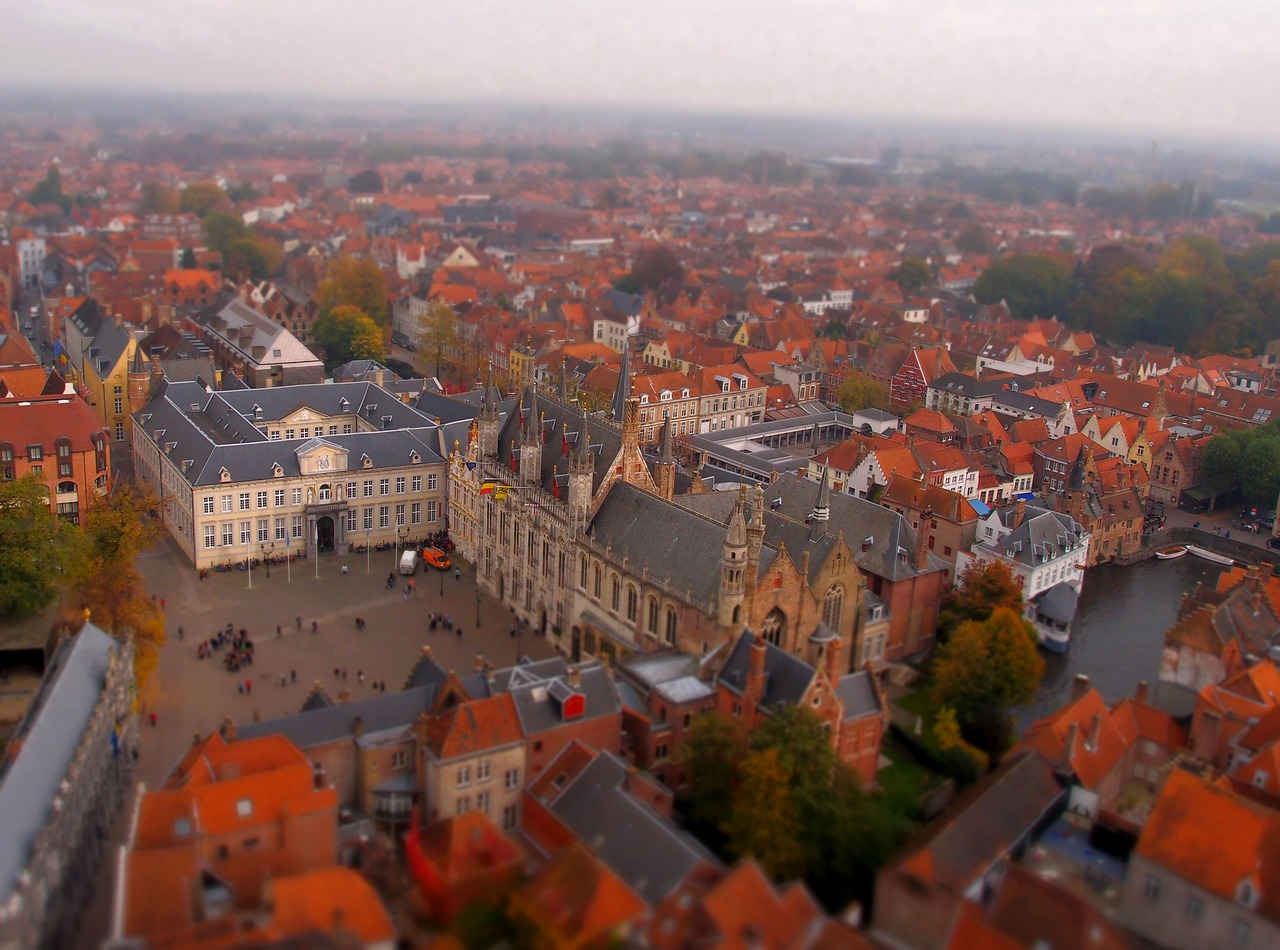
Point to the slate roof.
(561, 423)
(254, 335)
(531, 687)
(859, 695)
(1043, 535)
(786, 677)
(1058, 603)
(50, 735)
(648, 852)
(220, 431)
(317, 727)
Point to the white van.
(409, 562)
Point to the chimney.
(1204, 740)
(1079, 687)
(1095, 727)
(922, 540)
(1019, 513)
(574, 677)
(1069, 747)
(832, 660)
(755, 671)
(1140, 695)
(1264, 571)
(357, 727)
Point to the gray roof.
(966, 385)
(858, 694)
(533, 687)
(643, 848)
(107, 346)
(208, 431)
(561, 423)
(320, 726)
(786, 677)
(1024, 403)
(258, 338)
(1058, 603)
(50, 735)
(1043, 535)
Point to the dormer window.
(414, 458)
(224, 475)
(1247, 894)
(366, 462)
(276, 470)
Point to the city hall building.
(289, 469)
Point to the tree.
(48, 190)
(655, 265)
(412, 178)
(761, 822)
(223, 227)
(39, 553)
(973, 240)
(367, 182)
(439, 331)
(358, 282)
(201, 197)
(1220, 466)
(912, 274)
(713, 747)
(1270, 224)
(804, 751)
(157, 199)
(860, 391)
(119, 528)
(346, 333)
(244, 192)
(1032, 284)
(987, 666)
(483, 176)
(833, 329)
(984, 586)
(117, 601)
(188, 261)
(1260, 471)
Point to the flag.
(486, 487)
(555, 487)
(500, 492)
(59, 353)
(115, 742)
(471, 466)
(564, 444)
(513, 460)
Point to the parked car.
(1273, 543)
(434, 557)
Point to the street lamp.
(368, 530)
(248, 561)
(477, 606)
(266, 560)
(442, 573)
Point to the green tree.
(912, 274)
(714, 745)
(346, 333)
(48, 190)
(1260, 470)
(860, 391)
(833, 329)
(119, 528)
(987, 667)
(1032, 284)
(1220, 466)
(39, 553)
(223, 227)
(367, 182)
(984, 586)
(1270, 224)
(762, 821)
(201, 197)
(188, 261)
(439, 335)
(357, 282)
(973, 240)
(655, 265)
(155, 198)
(244, 192)
(251, 257)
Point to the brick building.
(60, 440)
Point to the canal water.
(1119, 629)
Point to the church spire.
(821, 513)
(563, 391)
(623, 390)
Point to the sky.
(1139, 66)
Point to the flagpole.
(316, 536)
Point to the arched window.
(671, 626)
(595, 584)
(324, 493)
(652, 623)
(615, 592)
(737, 614)
(774, 627)
(633, 603)
(832, 606)
(582, 572)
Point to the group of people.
(239, 648)
(340, 673)
(434, 618)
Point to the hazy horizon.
(1146, 69)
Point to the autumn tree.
(984, 586)
(439, 334)
(761, 822)
(348, 333)
(986, 667)
(860, 391)
(357, 282)
(155, 198)
(39, 553)
(912, 274)
(973, 240)
(201, 197)
(713, 747)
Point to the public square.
(190, 695)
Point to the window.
(615, 592)
(416, 484)
(351, 520)
(595, 581)
(774, 627)
(295, 527)
(384, 516)
(582, 572)
(400, 483)
(633, 603)
(305, 432)
(244, 808)
(671, 626)
(226, 503)
(262, 499)
(279, 528)
(1241, 930)
(510, 815)
(1193, 910)
(482, 802)
(289, 433)
(228, 534)
(651, 623)
(464, 804)
(1151, 888)
(244, 501)
(482, 771)
(511, 780)
(368, 488)
(384, 486)
(431, 483)
(398, 760)
(246, 531)
(295, 496)
(433, 510)
(832, 606)
(35, 453)
(278, 497)
(400, 516)
(264, 530)
(210, 536)
(367, 521)
(118, 405)
(464, 776)
(208, 505)
(415, 513)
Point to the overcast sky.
(1139, 65)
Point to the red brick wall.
(599, 732)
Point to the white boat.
(1208, 555)
(1171, 552)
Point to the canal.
(1119, 630)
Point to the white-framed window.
(464, 804)
(399, 759)
(431, 483)
(208, 504)
(228, 534)
(431, 511)
(511, 780)
(210, 536)
(226, 504)
(400, 515)
(368, 519)
(351, 489)
(482, 802)
(400, 483)
(415, 513)
(295, 527)
(244, 501)
(384, 486)
(246, 532)
(463, 776)
(510, 816)
(295, 496)
(280, 529)
(368, 488)
(384, 516)
(482, 771)
(416, 483)
(262, 499)
(351, 520)
(290, 433)
(279, 497)
(264, 530)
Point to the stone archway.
(324, 534)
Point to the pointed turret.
(821, 513)
(623, 390)
(531, 443)
(664, 472)
(562, 391)
(488, 418)
(733, 566)
(581, 475)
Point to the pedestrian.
(457, 573)
(407, 593)
(459, 633)
(513, 631)
(293, 676)
(337, 672)
(279, 632)
(359, 676)
(299, 621)
(162, 603)
(315, 626)
(382, 688)
(181, 632)
(240, 687)
(344, 672)
(153, 720)
(248, 687)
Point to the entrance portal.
(324, 534)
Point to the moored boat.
(1208, 555)
(1171, 551)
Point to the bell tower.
(139, 380)
(733, 567)
(531, 444)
